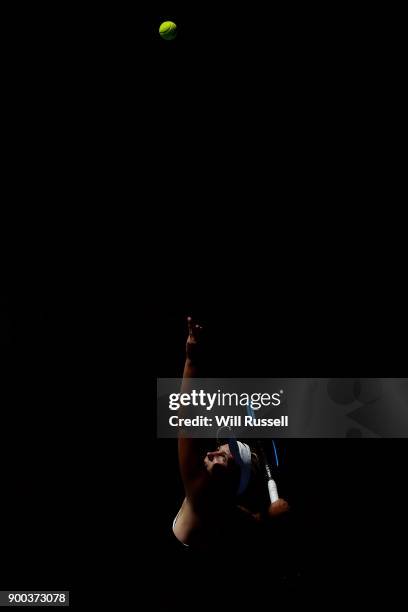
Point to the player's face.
(221, 459)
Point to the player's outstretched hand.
(193, 339)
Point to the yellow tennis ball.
(168, 30)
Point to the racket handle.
(273, 491)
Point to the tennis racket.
(266, 465)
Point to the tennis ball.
(168, 30)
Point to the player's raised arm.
(191, 450)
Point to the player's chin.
(218, 470)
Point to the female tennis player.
(226, 500)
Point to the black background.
(274, 188)
(37, 424)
